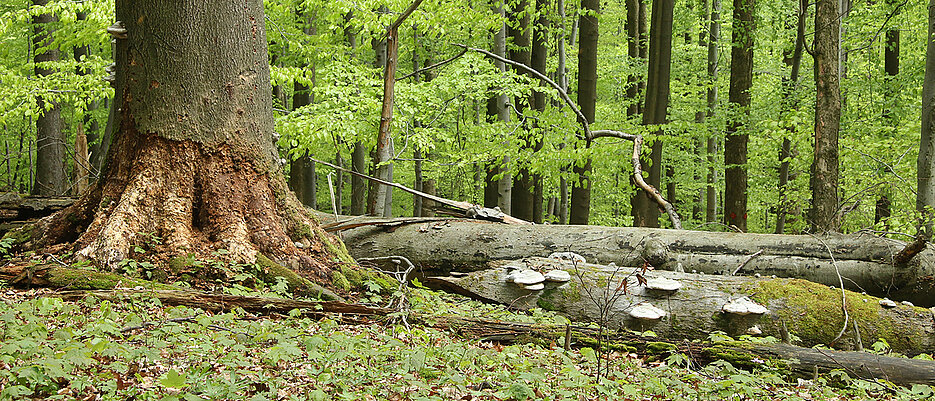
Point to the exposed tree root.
(162, 199)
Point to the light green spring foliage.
(877, 154)
(19, 85)
(52, 349)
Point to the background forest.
(327, 60)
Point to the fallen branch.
(464, 208)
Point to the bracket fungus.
(646, 311)
(743, 306)
(663, 284)
(527, 277)
(558, 276)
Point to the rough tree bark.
(520, 51)
(735, 146)
(50, 138)
(823, 215)
(193, 162)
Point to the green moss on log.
(813, 311)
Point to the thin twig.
(745, 261)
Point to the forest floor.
(139, 349)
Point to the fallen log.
(794, 361)
(864, 261)
(618, 298)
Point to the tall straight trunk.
(587, 97)
(519, 31)
(824, 178)
(790, 102)
(562, 75)
(302, 177)
(646, 212)
(633, 56)
(891, 67)
(416, 152)
(386, 55)
(86, 130)
(535, 139)
(925, 200)
(359, 152)
(735, 146)
(50, 137)
(499, 192)
(714, 36)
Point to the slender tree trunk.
(714, 37)
(646, 212)
(824, 178)
(562, 75)
(499, 192)
(925, 200)
(50, 137)
(633, 56)
(735, 146)
(359, 152)
(519, 31)
(386, 55)
(587, 97)
(790, 103)
(535, 139)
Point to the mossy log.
(865, 261)
(793, 361)
(810, 312)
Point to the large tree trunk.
(606, 295)
(50, 138)
(534, 140)
(865, 262)
(193, 163)
(824, 179)
(735, 146)
(580, 208)
(645, 211)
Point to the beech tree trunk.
(735, 146)
(790, 102)
(824, 178)
(714, 36)
(645, 211)
(193, 163)
(520, 51)
(50, 138)
(864, 261)
(925, 199)
(811, 312)
(580, 207)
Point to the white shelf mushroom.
(663, 284)
(887, 303)
(743, 306)
(646, 311)
(527, 277)
(534, 287)
(558, 276)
